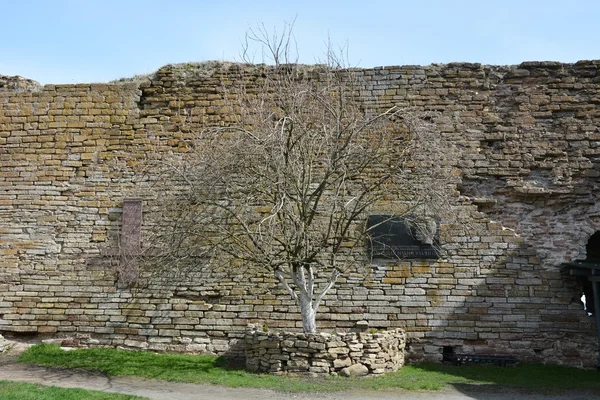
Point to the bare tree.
(288, 186)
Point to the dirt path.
(161, 390)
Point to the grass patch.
(531, 377)
(213, 370)
(30, 391)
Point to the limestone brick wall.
(528, 138)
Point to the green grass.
(210, 369)
(31, 391)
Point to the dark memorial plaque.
(394, 238)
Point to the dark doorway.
(592, 250)
(589, 269)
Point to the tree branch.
(283, 281)
(335, 274)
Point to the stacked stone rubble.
(325, 353)
(18, 83)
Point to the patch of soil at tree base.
(13, 352)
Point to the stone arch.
(587, 228)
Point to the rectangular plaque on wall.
(131, 236)
(393, 238)
(131, 226)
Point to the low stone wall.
(324, 353)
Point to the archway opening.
(589, 270)
(592, 250)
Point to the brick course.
(529, 141)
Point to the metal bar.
(586, 265)
(474, 359)
(580, 272)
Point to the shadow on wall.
(542, 321)
(235, 356)
(513, 305)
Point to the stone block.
(355, 370)
(342, 363)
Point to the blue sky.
(68, 41)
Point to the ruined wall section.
(62, 151)
(527, 137)
(538, 157)
(528, 134)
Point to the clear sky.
(68, 41)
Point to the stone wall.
(344, 354)
(529, 143)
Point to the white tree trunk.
(309, 324)
(304, 280)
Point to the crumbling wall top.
(18, 83)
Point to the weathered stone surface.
(388, 357)
(3, 344)
(341, 363)
(362, 325)
(355, 370)
(18, 83)
(529, 143)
